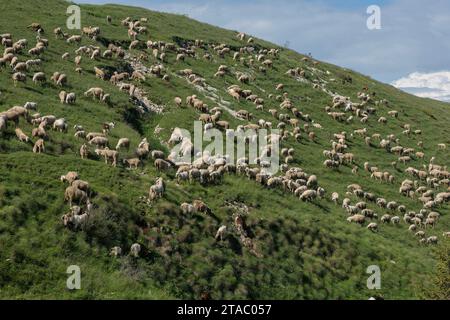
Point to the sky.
(410, 51)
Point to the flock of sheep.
(430, 184)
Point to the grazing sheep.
(335, 198)
(420, 234)
(71, 98)
(358, 219)
(84, 152)
(95, 93)
(60, 125)
(201, 207)
(62, 80)
(157, 190)
(82, 185)
(39, 78)
(109, 155)
(21, 135)
(187, 208)
(135, 250)
(308, 195)
(373, 227)
(70, 177)
(74, 194)
(178, 101)
(115, 252)
(123, 143)
(101, 142)
(19, 77)
(62, 96)
(30, 105)
(221, 233)
(395, 220)
(132, 163)
(39, 146)
(74, 39)
(432, 240)
(162, 165)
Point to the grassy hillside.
(307, 250)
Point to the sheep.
(95, 93)
(39, 78)
(70, 177)
(162, 165)
(21, 135)
(178, 101)
(123, 143)
(99, 73)
(20, 67)
(101, 142)
(107, 54)
(221, 233)
(109, 155)
(157, 190)
(135, 250)
(39, 146)
(82, 185)
(432, 240)
(373, 227)
(115, 252)
(62, 96)
(71, 98)
(30, 105)
(60, 125)
(358, 219)
(335, 198)
(308, 195)
(187, 208)
(200, 206)
(132, 163)
(395, 220)
(386, 218)
(74, 194)
(62, 80)
(93, 135)
(84, 153)
(19, 77)
(74, 39)
(312, 182)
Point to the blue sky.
(414, 36)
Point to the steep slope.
(302, 250)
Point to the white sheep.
(135, 250)
(123, 143)
(221, 233)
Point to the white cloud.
(435, 85)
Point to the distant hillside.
(276, 246)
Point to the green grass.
(310, 251)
